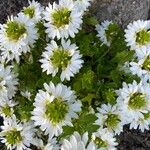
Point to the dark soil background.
(129, 139)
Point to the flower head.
(55, 108)
(110, 117)
(16, 36)
(65, 58)
(62, 20)
(104, 33)
(137, 34)
(16, 135)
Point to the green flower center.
(143, 37)
(15, 30)
(146, 64)
(6, 110)
(56, 110)
(61, 17)
(112, 121)
(100, 143)
(60, 58)
(146, 115)
(30, 11)
(137, 101)
(13, 136)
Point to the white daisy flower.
(16, 36)
(141, 123)
(65, 58)
(34, 11)
(82, 5)
(102, 140)
(141, 66)
(133, 101)
(6, 106)
(55, 108)
(8, 81)
(102, 32)
(137, 34)
(62, 20)
(110, 117)
(76, 142)
(16, 135)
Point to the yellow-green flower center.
(137, 101)
(143, 37)
(6, 110)
(112, 121)
(13, 136)
(15, 30)
(61, 17)
(146, 64)
(100, 143)
(60, 58)
(56, 110)
(30, 11)
(146, 115)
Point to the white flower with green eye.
(55, 108)
(102, 140)
(17, 36)
(76, 142)
(8, 81)
(16, 135)
(6, 106)
(82, 5)
(62, 20)
(110, 117)
(65, 59)
(141, 65)
(133, 101)
(137, 34)
(141, 123)
(103, 32)
(33, 11)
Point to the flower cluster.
(61, 85)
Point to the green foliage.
(83, 124)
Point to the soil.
(129, 139)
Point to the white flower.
(133, 101)
(16, 36)
(141, 123)
(16, 135)
(76, 142)
(62, 20)
(55, 108)
(8, 81)
(34, 11)
(102, 140)
(109, 117)
(65, 58)
(82, 5)
(141, 66)
(137, 34)
(6, 106)
(101, 29)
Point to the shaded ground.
(129, 139)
